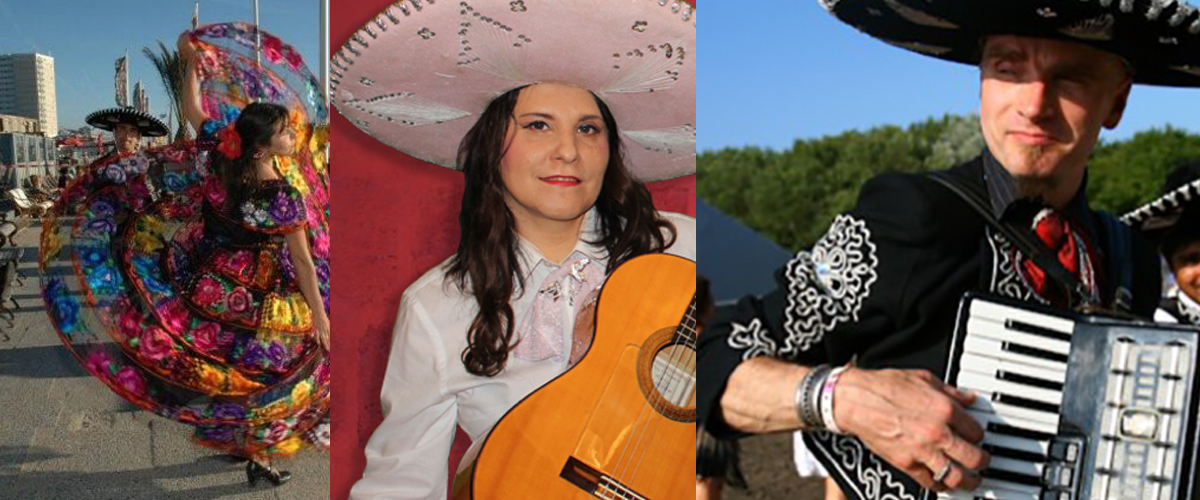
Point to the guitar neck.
(687, 326)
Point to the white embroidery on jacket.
(1006, 276)
(864, 470)
(828, 284)
(753, 339)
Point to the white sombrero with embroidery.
(417, 76)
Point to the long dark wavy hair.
(256, 125)
(486, 264)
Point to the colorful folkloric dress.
(186, 305)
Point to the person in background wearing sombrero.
(128, 127)
(1173, 222)
(877, 296)
(552, 203)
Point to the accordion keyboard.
(1076, 407)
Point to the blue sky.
(773, 71)
(86, 38)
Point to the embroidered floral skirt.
(177, 321)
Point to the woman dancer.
(196, 295)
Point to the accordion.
(1077, 407)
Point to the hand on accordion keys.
(907, 417)
(916, 423)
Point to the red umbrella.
(71, 141)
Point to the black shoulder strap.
(1023, 239)
(1118, 239)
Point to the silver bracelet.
(818, 382)
(808, 397)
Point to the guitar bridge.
(596, 483)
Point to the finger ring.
(941, 475)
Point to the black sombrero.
(1179, 202)
(107, 119)
(1160, 38)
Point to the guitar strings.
(639, 452)
(654, 404)
(621, 474)
(677, 375)
(659, 399)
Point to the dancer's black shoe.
(254, 472)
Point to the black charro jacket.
(883, 286)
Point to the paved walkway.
(64, 435)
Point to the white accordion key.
(993, 348)
(984, 403)
(995, 365)
(994, 489)
(983, 382)
(988, 494)
(997, 331)
(1020, 423)
(1001, 314)
(1016, 443)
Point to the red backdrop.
(394, 218)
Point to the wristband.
(827, 390)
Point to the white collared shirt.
(427, 390)
(1191, 308)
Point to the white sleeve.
(685, 235)
(407, 456)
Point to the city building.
(27, 89)
(24, 150)
(23, 155)
(19, 125)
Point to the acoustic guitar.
(621, 423)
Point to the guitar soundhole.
(674, 375)
(667, 375)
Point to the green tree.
(791, 196)
(961, 140)
(171, 71)
(1124, 175)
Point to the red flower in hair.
(231, 142)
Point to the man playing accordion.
(881, 289)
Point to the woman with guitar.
(552, 205)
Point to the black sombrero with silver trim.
(147, 124)
(1180, 200)
(1160, 38)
